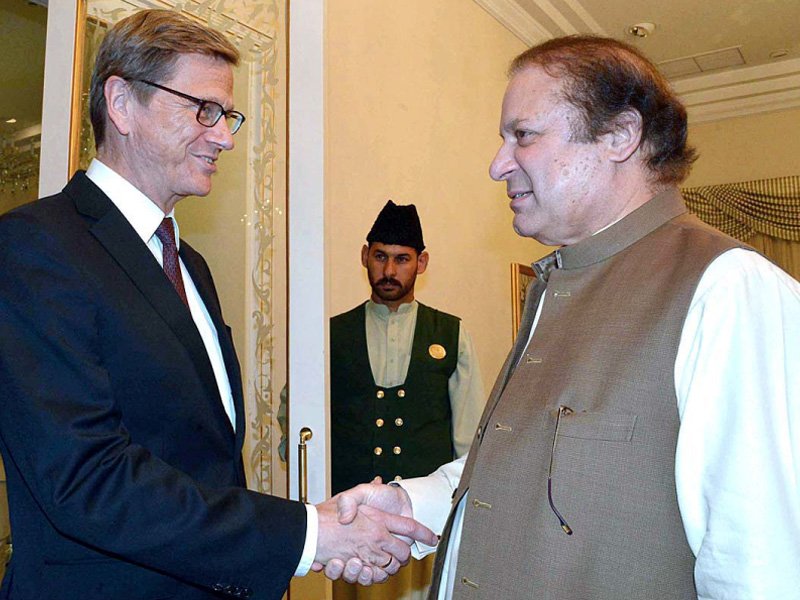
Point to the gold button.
(397, 478)
(380, 394)
(379, 422)
(398, 421)
(397, 450)
(401, 393)
(437, 351)
(378, 451)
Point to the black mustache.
(388, 280)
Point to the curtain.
(764, 213)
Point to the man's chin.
(528, 230)
(389, 295)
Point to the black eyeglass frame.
(234, 126)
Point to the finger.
(379, 575)
(334, 569)
(398, 549)
(377, 480)
(391, 569)
(365, 577)
(317, 567)
(409, 528)
(352, 570)
(405, 528)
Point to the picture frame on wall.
(521, 277)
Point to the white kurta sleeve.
(432, 497)
(738, 452)
(467, 397)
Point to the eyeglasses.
(562, 410)
(208, 111)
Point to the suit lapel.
(121, 241)
(205, 287)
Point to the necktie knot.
(166, 233)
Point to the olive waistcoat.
(402, 431)
(604, 350)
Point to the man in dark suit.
(122, 421)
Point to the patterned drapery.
(767, 206)
(765, 213)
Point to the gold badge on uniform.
(437, 351)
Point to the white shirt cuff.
(426, 509)
(310, 547)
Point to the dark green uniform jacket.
(402, 431)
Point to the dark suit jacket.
(125, 478)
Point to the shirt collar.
(143, 215)
(382, 311)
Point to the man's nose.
(390, 268)
(220, 134)
(503, 163)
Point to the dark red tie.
(166, 233)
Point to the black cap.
(399, 225)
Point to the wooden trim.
(521, 276)
(77, 87)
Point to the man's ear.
(422, 262)
(625, 137)
(364, 255)
(119, 103)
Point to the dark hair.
(603, 78)
(146, 45)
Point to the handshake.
(365, 533)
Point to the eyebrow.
(513, 124)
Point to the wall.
(745, 148)
(412, 111)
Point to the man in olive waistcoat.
(642, 439)
(406, 390)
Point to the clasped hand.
(365, 533)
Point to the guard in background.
(406, 390)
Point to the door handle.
(302, 463)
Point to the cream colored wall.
(745, 148)
(216, 225)
(412, 110)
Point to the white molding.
(556, 16)
(59, 59)
(579, 10)
(741, 92)
(308, 322)
(733, 93)
(517, 20)
(734, 76)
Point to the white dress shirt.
(145, 217)
(737, 459)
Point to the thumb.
(347, 506)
